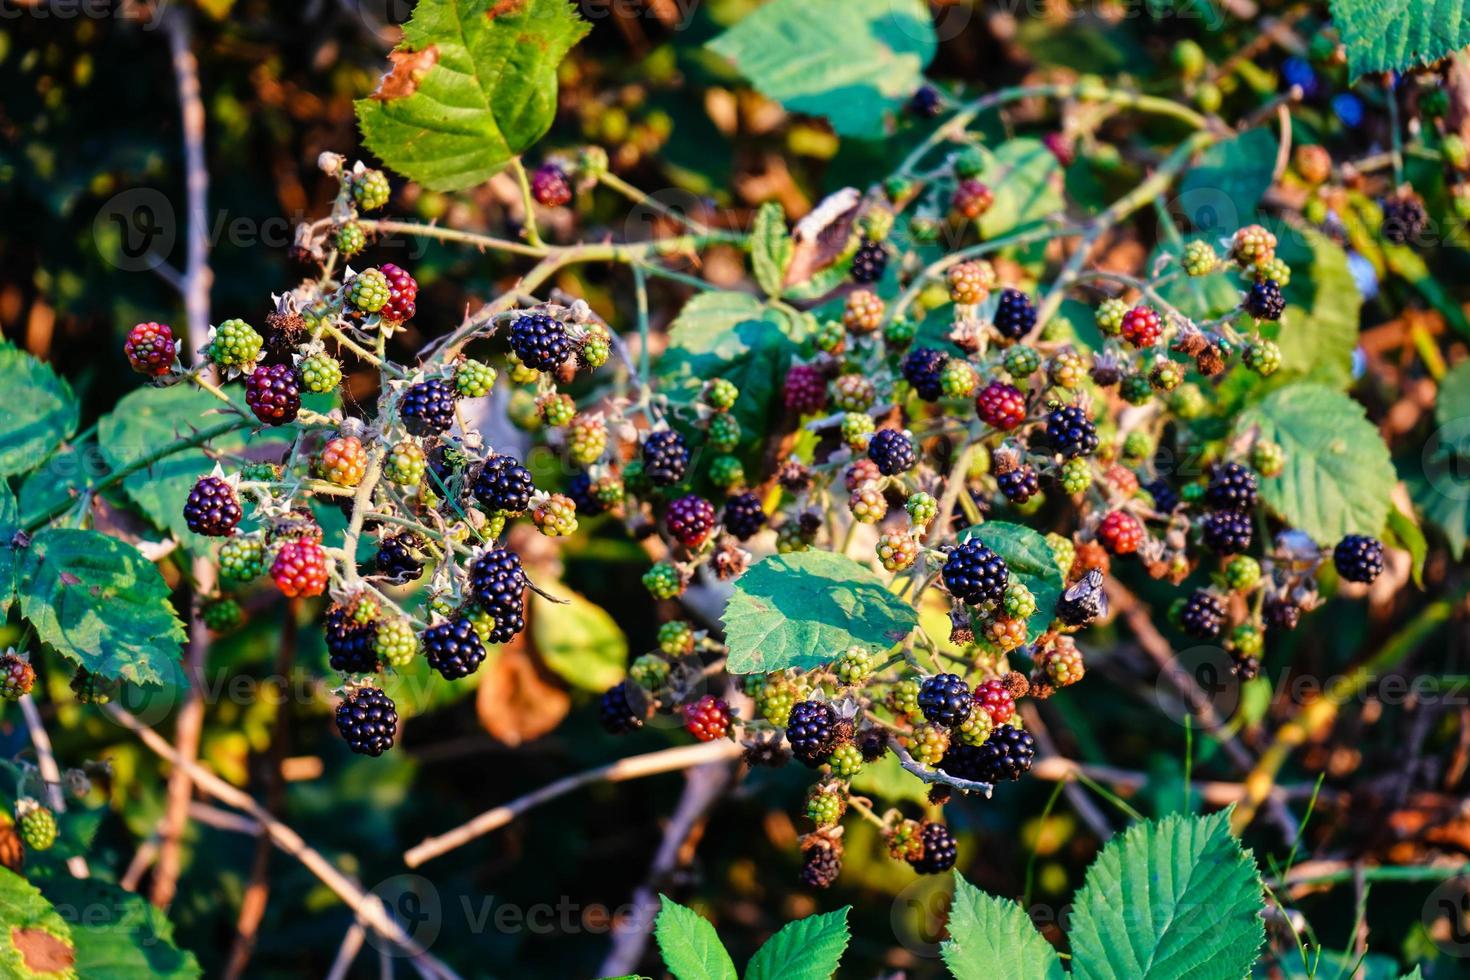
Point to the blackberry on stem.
(368, 719)
(811, 731)
(453, 648)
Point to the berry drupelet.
(368, 720)
(428, 407)
(945, 699)
(503, 485)
(665, 457)
(540, 341)
(811, 730)
(892, 451)
(212, 508)
(453, 648)
(921, 368)
(744, 515)
(975, 574)
(1358, 558)
(1015, 316)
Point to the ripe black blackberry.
(869, 261)
(398, 558)
(1166, 498)
(821, 863)
(1404, 220)
(540, 341)
(503, 485)
(615, 711)
(974, 574)
(921, 368)
(453, 648)
(497, 580)
(1232, 487)
(509, 621)
(1020, 484)
(368, 720)
(893, 451)
(586, 502)
(811, 730)
(1358, 558)
(939, 850)
(428, 407)
(1281, 613)
(665, 457)
(1264, 301)
(945, 699)
(1070, 432)
(1006, 755)
(744, 515)
(212, 507)
(1084, 601)
(1203, 616)
(926, 102)
(350, 647)
(1227, 532)
(1015, 316)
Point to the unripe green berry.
(222, 614)
(676, 638)
(846, 761)
(958, 378)
(1200, 258)
(242, 557)
(1137, 445)
(320, 372)
(825, 807)
(724, 433)
(900, 333)
(649, 671)
(922, 508)
(235, 344)
(663, 581)
(721, 394)
(1063, 551)
(405, 464)
(473, 379)
(857, 428)
(370, 189)
(1076, 475)
(396, 642)
(853, 667)
(1242, 573)
(1247, 640)
(1263, 357)
(1021, 361)
(1268, 458)
(1110, 315)
(726, 472)
(349, 239)
(1019, 603)
(368, 291)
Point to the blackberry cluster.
(397, 559)
(893, 451)
(1227, 532)
(975, 574)
(665, 457)
(350, 646)
(503, 485)
(921, 368)
(1232, 487)
(945, 699)
(1358, 558)
(273, 392)
(939, 850)
(428, 407)
(811, 730)
(744, 515)
(1264, 301)
(869, 262)
(1070, 432)
(1202, 616)
(1015, 316)
(615, 711)
(540, 341)
(453, 648)
(368, 720)
(212, 508)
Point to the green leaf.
(734, 336)
(1222, 190)
(993, 939)
(1032, 182)
(1439, 489)
(1452, 404)
(580, 642)
(1166, 899)
(771, 247)
(119, 935)
(888, 780)
(805, 609)
(1198, 297)
(473, 83)
(1395, 35)
(848, 60)
(40, 411)
(807, 949)
(1338, 476)
(690, 948)
(101, 605)
(9, 557)
(1319, 330)
(1029, 559)
(1405, 532)
(35, 940)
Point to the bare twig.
(1076, 795)
(50, 774)
(633, 767)
(347, 952)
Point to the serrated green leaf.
(1032, 181)
(1030, 561)
(1395, 35)
(771, 247)
(35, 941)
(993, 939)
(101, 605)
(579, 641)
(118, 935)
(1166, 899)
(40, 412)
(848, 60)
(9, 557)
(1221, 191)
(473, 84)
(1404, 532)
(807, 949)
(805, 609)
(1338, 475)
(1319, 330)
(690, 947)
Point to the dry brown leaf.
(518, 699)
(42, 952)
(409, 68)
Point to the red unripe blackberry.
(368, 720)
(708, 718)
(1001, 406)
(995, 697)
(17, 676)
(1141, 326)
(805, 391)
(300, 568)
(212, 507)
(690, 519)
(1121, 533)
(151, 349)
(972, 198)
(550, 187)
(273, 392)
(453, 648)
(403, 291)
